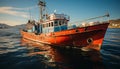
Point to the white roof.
(58, 16)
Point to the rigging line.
(31, 7)
(106, 15)
(30, 14)
(47, 9)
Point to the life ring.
(89, 40)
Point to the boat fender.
(89, 40)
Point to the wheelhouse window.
(56, 23)
(43, 25)
(65, 22)
(60, 22)
(51, 23)
(47, 25)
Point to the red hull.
(90, 37)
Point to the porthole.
(89, 40)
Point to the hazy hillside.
(6, 29)
(22, 26)
(114, 23)
(3, 26)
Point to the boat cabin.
(55, 22)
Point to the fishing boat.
(54, 30)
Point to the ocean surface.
(17, 53)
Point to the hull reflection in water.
(65, 58)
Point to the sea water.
(16, 54)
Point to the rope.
(106, 15)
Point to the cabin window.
(63, 22)
(44, 25)
(60, 23)
(47, 24)
(51, 23)
(56, 23)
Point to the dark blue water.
(18, 54)
(111, 49)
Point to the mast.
(42, 6)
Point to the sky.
(16, 12)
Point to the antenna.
(42, 5)
(30, 14)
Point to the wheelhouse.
(55, 23)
